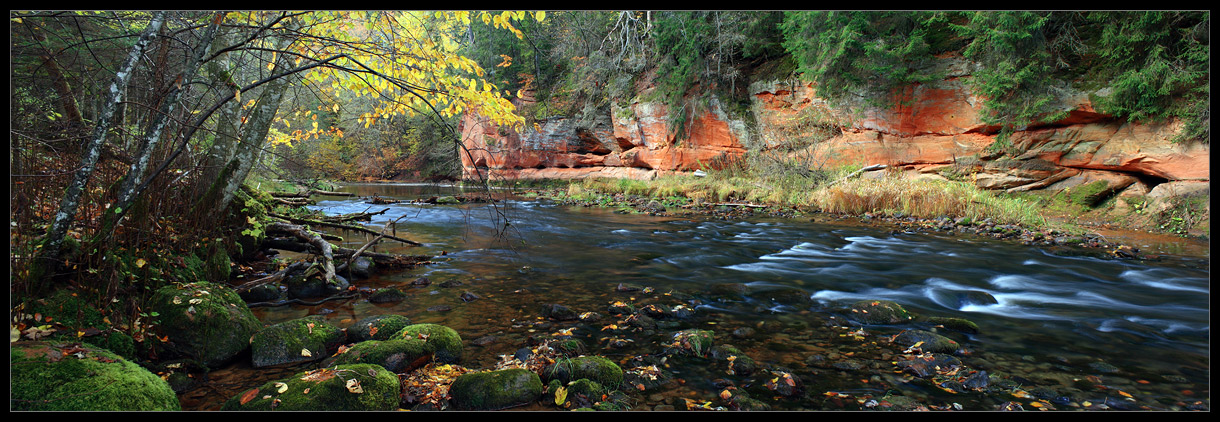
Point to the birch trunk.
(71, 200)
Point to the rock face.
(937, 126)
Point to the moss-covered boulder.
(377, 327)
(593, 368)
(387, 295)
(956, 324)
(926, 341)
(871, 312)
(311, 285)
(206, 321)
(299, 340)
(398, 356)
(691, 342)
(67, 376)
(444, 342)
(495, 389)
(342, 387)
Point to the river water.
(1066, 330)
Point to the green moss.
(696, 342)
(594, 368)
(299, 340)
(495, 389)
(51, 376)
(395, 355)
(444, 342)
(342, 387)
(878, 312)
(1089, 194)
(207, 321)
(379, 327)
(956, 324)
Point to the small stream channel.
(1066, 330)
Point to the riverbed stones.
(377, 327)
(956, 324)
(930, 364)
(398, 356)
(878, 312)
(926, 341)
(443, 342)
(309, 285)
(362, 267)
(360, 387)
(300, 340)
(71, 376)
(206, 321)
(387, 295)
(558, 312)
(495, 390)
(594, 368)
(691, 342)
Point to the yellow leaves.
(306, 353)
(540, 15)
(281, 387)
(561, 396)
(140, 263)
(506, 61)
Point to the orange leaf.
(245, 398)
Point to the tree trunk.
(253, 135)
(71, 200)
(128, 190)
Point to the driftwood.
(324, 247)
(355, 216)
(276, 277)
(341, 226)
(309, 193)
(738, 205)
(370, 243)
(296, 202)
(857, 173)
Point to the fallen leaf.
(281, 387)
(245, 398)
(353, 385)
(561, 395)
(306, 353)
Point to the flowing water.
(1078, 331)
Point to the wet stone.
(931, 364)
(558, 312)
(468, 297)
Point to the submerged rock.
(694, 341)
(343, 387)
(495, 389)
(67, 376)
(878, 312)
(558, 312)
(387, 295)
(926, 341)
(930, 364)
(206, 321)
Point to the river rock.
(926, 341)
(468, 297)
(558, 312)
(299, 340)
(305, 286)
(495, 389)
(387, 295)
(262, 293)
(362, 267)
(443, 342)
(738, 362)
(360, 387)
(930, 364)
(785, 384)
(206, 321)
(378, 327)
(956, 324)
(693, 341)
(70, 376)
(398, 356)
(593, 368)
(870, 312)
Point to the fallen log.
(324, 247)
(355, 216)
(857, 173)
(309, 193)
(341, 226)
(727, 204)
(370, 243)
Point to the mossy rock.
(55, 376)
(738, 362)
(594, 368)
(927, 341)
(869, 312)
(956, 324)
(444, 342)
(495, 389)
(378, 327)
(692, 342)
(342, 387)
(398, 356)
(311, 285)
(217, 265)
(206, 321)
(387, 295)
(299, 340)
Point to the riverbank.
(905, 205)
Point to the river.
(1072, 330)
